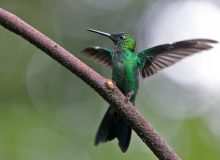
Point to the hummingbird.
(127, 68)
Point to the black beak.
(103, 33)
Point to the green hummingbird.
(128, 66)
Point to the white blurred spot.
(192, 85)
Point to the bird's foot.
(128, 96)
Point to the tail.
(113, 127)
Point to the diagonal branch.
(104, 87)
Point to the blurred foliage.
(48, 113)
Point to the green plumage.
(127, 66)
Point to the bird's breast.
(125, 74)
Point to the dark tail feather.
(124, 135)
(112, 126)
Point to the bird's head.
(124, 39)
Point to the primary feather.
(101, 54)
(162, 56)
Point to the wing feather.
(162, 56)
(100, 54)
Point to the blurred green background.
(48, 113)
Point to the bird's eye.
(123, 37)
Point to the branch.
(104, 87)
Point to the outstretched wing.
(101, 54)
(162, 56)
